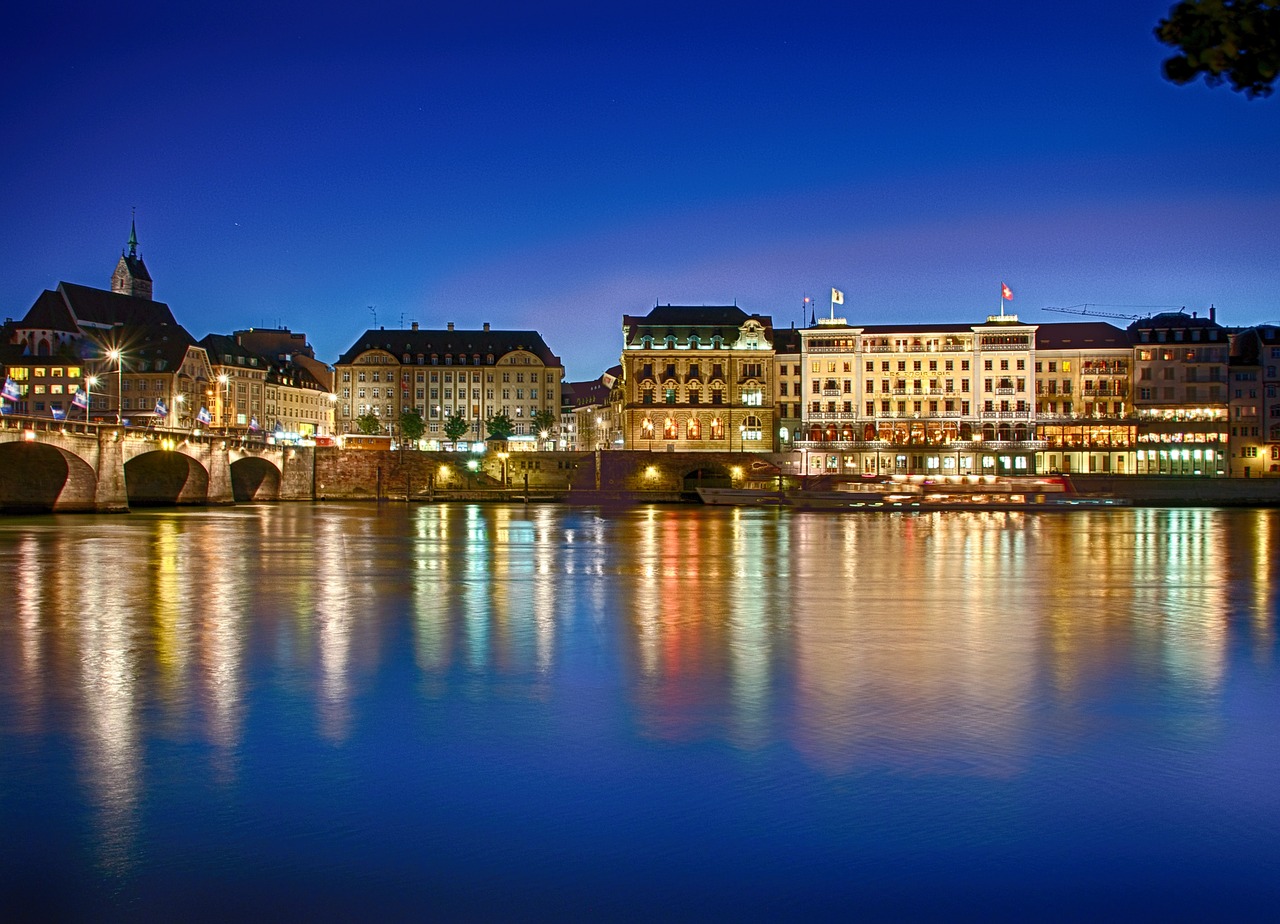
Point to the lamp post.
(503, 457)
(115, 356)
(600, 442)
(88, 397)
(542, 434)
(224, 380)
(178, 398)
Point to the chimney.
(1213, 314)
(414, 325)
(486, 325)
(450, 325)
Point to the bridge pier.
(220, 490)
(110, 494)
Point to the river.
(492, 712)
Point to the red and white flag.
(1006, 293)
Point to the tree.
(369, 424)
(1235, 40)
(412, 426)
(544, 421)
(454, 426)
(499, 427)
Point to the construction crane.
(1085, 310)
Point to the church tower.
(131, 276)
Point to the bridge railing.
(93, 428)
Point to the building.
(1180, 365)
(589, 413)
(788, 366)
(123, 348)
(1253, 408)
(1084, 404)
(473, 374)
(697, 379)
(919, 398)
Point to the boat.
(921, 493)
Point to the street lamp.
(116, 357)
(88, 396)
(503, 457)
(223, 380)
(543, 435)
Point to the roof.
(144, 345)
(786, 340)
(471, 343)
(49, 312)
(1081, 335)
(137, 269)
(102, 308)
(704, 322)
(585, 394)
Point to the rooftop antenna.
(375, 316)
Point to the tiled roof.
(101, 308)
(470, 343)
(1081, 335)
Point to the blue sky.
(556, 166)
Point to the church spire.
(131, 276)
(133, 234)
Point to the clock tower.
(131, 276)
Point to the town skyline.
(560, 168)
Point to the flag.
(161, 410)
(253, 423)
(11, 389)
(837, 297)
(1006, 293)
(279, 427)
(203, 416)
(81, 400)
(59, 413)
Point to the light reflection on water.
(224, 657)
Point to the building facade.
(473, 374)
(697, 379)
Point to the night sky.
(554, 166)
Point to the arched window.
(669, 431)
(646, 429)
(717, 428)
(694, 429)
(751, 428)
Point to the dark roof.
(137, 269)
(49, 312)
(1081, 335)
(221, 346)
(470, 343)
(1174, 319)
(786, 340)
(145, 344)
(690, 316)
(101, 308)
(704, 322)
(584, 394)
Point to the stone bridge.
(48, 465)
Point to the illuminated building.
(1254, 401)
(697, 379)
(475, 374)
(788, 397)
(919, 398)
(589, 416)
(1083, 398)
(1180, 365)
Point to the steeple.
(131, 276)
(133, 238)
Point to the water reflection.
(944, 643)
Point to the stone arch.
(706, 476)
(254, 479)
(165, 478)
(42, 478)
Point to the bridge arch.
(165, 478)
(254, 478)
(41, 477)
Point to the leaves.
(1224, 40)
